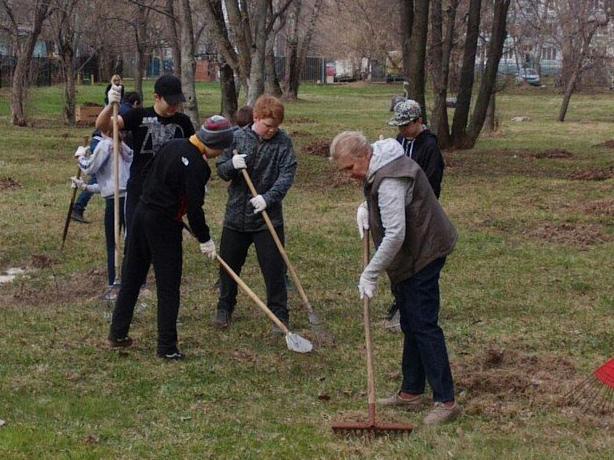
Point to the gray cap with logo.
(405, 112)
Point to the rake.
(596, 391)
(294, 341)
(372, 427)
(324, 337)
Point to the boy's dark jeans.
(233, 249)
(424, 350)
(154, 239)
(84, 197)
(109, 232)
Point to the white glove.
(258, 203)
(366, 287)
(78, 183)
(238, 161)
(82, 151)
(362, 219)
(115, 94)
(208, 249)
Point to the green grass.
(532, 277)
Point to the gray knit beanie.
(216, 132)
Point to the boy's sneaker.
(411, 402)
(222, 319)
(440, 413)
(172, 356)
(122, 342)
(78, 216)
(110, 295)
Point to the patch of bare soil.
(8, 183)
(601, 208)
(582, 236)
(42, 261)
(82, 287)
(297, 133)
(593, 174)
(300, 119)
(554, 153)
(502, 383)
(609, 144)
(319, 147)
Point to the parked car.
(530, 76)
(390, 78)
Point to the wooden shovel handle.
(368, 338)
(252, 295)
(278, 243)
(116, 209)
(71, 205)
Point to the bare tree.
(580, 20)
(174, 35)
(24, 22)
(188, 64)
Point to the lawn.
(528, 300)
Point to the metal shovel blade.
(297, 343)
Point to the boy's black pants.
(233, 249)
(155, 238)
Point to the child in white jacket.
(100, 163)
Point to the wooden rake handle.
(116, 210)
(252, 295)
(368, 338)
(278, 243)
(71, 205)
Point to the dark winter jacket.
(271, 165)
(424, 150)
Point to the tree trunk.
(407, 24)
(188, 64)
(171, 22)
(463, 99)
(68, 65)
(256, 74)
(140, 33)
(271, 81)
(417, 55)
(441, 49)
(229, 101)
(490, 123)
(24, 57)
(489, 79)
(304, 47)
(291, 75)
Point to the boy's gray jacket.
(271, 165)
(411, 230)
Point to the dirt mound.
(500, 383)
(554, 153)
(593, 174)
(8, 183)
(42, 261)
(320, 148)
(602, 208)
(578, 235)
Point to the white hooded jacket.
(100, 163)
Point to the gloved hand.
(77, 183)
(238, 161)
(115, 94)
(82, 151)
(208, 249)
(258, 203)
(366, 287)
(362, 219)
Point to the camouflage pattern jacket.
(271, 165)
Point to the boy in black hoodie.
(174, 186)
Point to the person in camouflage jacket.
(268, 155)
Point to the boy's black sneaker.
(173, 356)
(222, 319)
(123, 342)
(78, 216)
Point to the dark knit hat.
(216, 132)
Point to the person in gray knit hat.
(174, 186)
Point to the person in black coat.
(174, 186)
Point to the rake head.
(597, 391)
(371, 429)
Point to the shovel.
(71, 205)
(314, 319)
(294, 341)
